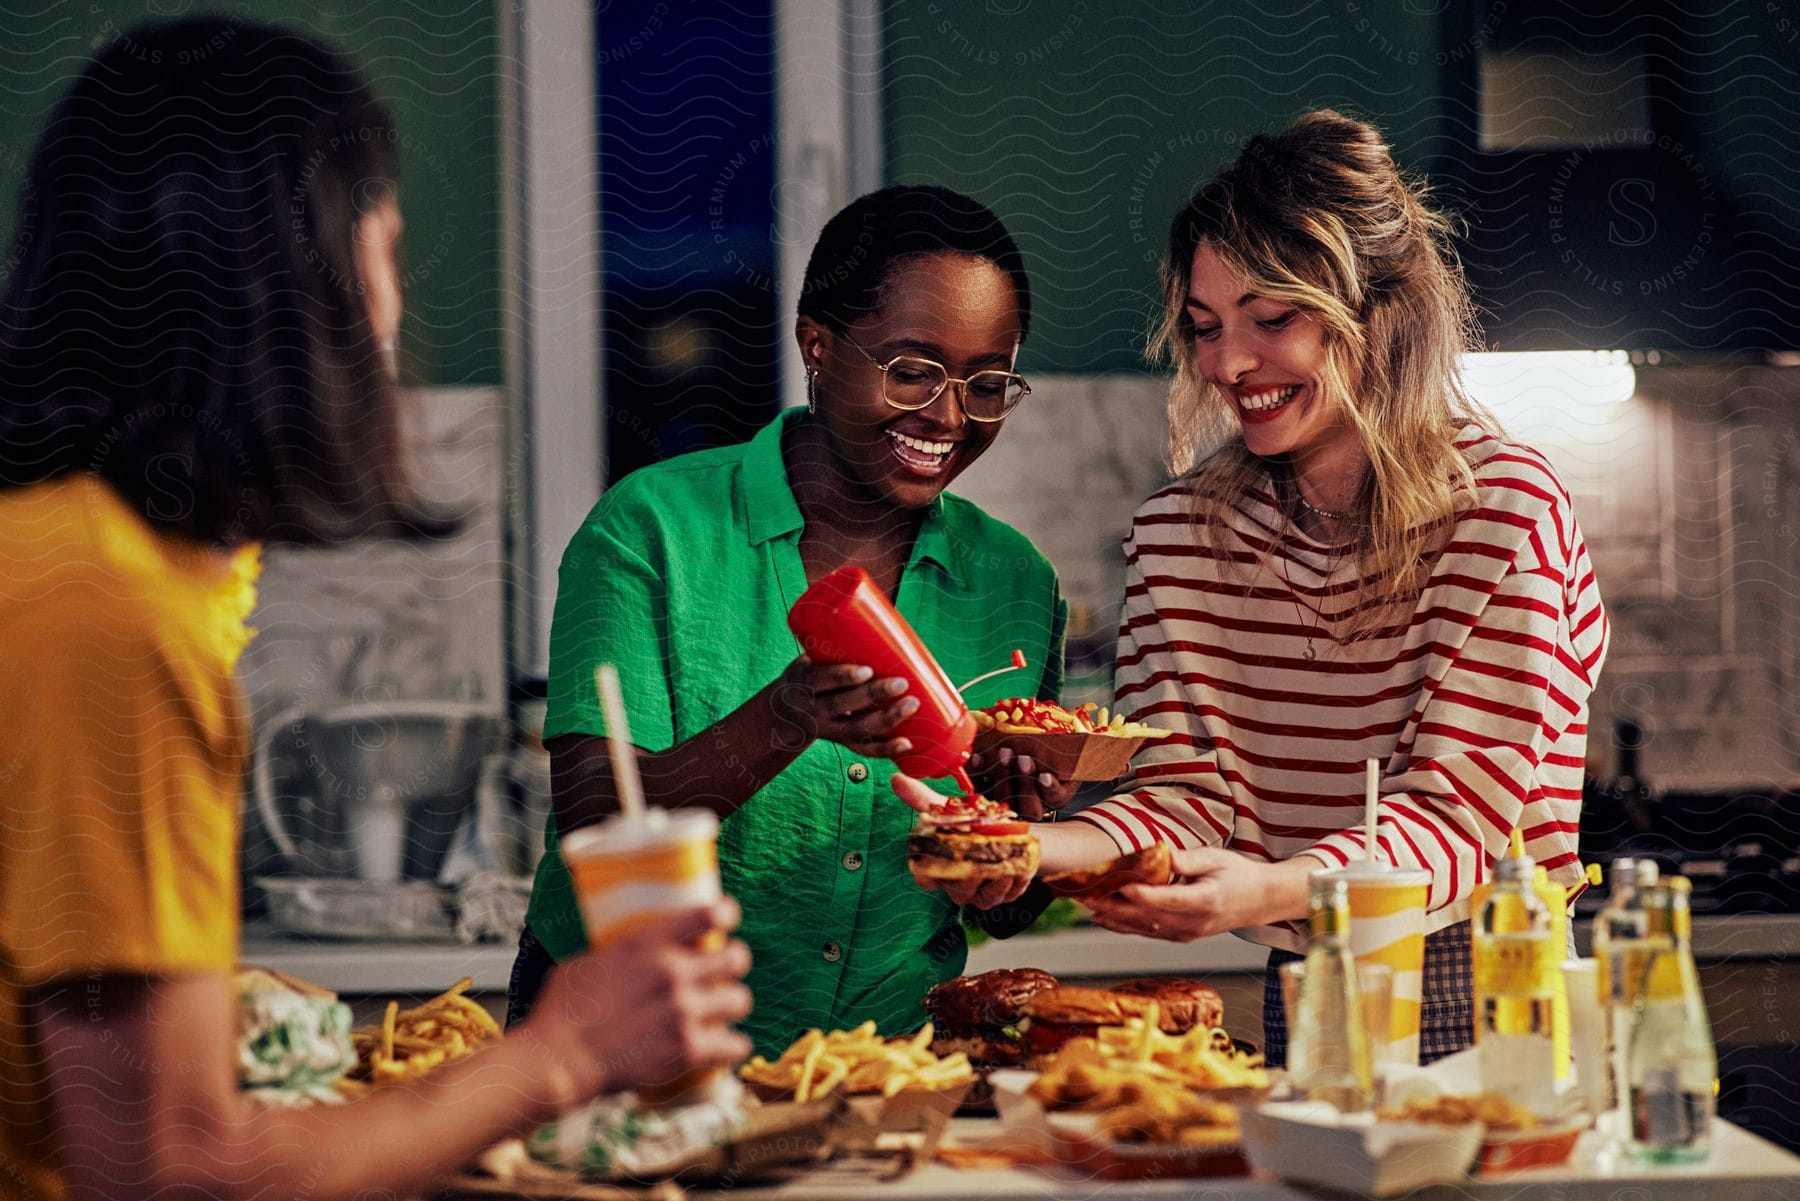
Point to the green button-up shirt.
(683, 575)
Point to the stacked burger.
(972, 838)
(983, 1016)
(1054, 1016)
(1019, 1017)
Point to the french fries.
(860, 1060)
(1153, 1111)
(1490, 1109)
(1104, 1072)
(408, 1043)
(1022, 716)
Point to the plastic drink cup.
(1387, 925)
(1587, 1032)
(845, 618)
(1375, 989)
(628, 874)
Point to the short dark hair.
(859, 247)
(185, 318)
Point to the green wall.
(435, 63)
(1085, 123)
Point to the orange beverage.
(1387, 925)
(630, 872)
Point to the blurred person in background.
(195, 359)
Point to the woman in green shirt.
(910, 320)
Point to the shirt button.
(832, 952)
(857, 773)
(852, 860)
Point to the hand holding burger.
(977, 851)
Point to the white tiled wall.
(377, 621)
(1689, 495)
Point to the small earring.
(812, 389)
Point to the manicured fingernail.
(1025, 765)
(1004, 756)
(902, 745)
(908, 707)
(1047, 780)
(893, 687)
(862, 674)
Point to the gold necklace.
(1331, 563)
(1294, 599)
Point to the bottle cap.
(1517, 865)
(1622, 876)
(1513, 871)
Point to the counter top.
(356, 968)
(1743, 1167)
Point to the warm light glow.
(1556, 390)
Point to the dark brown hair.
(185, 319)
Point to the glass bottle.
(1328, 1048)
(1621, 933)
(1515, 1004)
(1671, 1063)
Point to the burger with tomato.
(972, 838)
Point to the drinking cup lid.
(1360, 872)
(658, 827)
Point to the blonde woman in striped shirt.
(1353, 562)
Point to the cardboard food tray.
(1538, 1147)
(919, 1115)
(1311, 1143)
(1069, 1137)
(1080, 757)
(1082, 1149)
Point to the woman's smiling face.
(955, 309)
(1266, 358)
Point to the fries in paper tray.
(408, 1043)
(1135, 1102)
(1077, 744)
(889, 1086)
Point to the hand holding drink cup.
(647, 882)
(649, 1008)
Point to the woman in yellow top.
(192, 361)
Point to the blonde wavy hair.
(1319, 216)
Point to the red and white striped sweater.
(1475, 704)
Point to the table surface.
(1742, 1168)
(418, 967)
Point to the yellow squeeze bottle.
(1556, 900)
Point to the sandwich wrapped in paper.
(614, 1138)
(293, 1038)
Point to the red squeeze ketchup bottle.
(845, 618)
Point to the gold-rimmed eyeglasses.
(909, 382)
